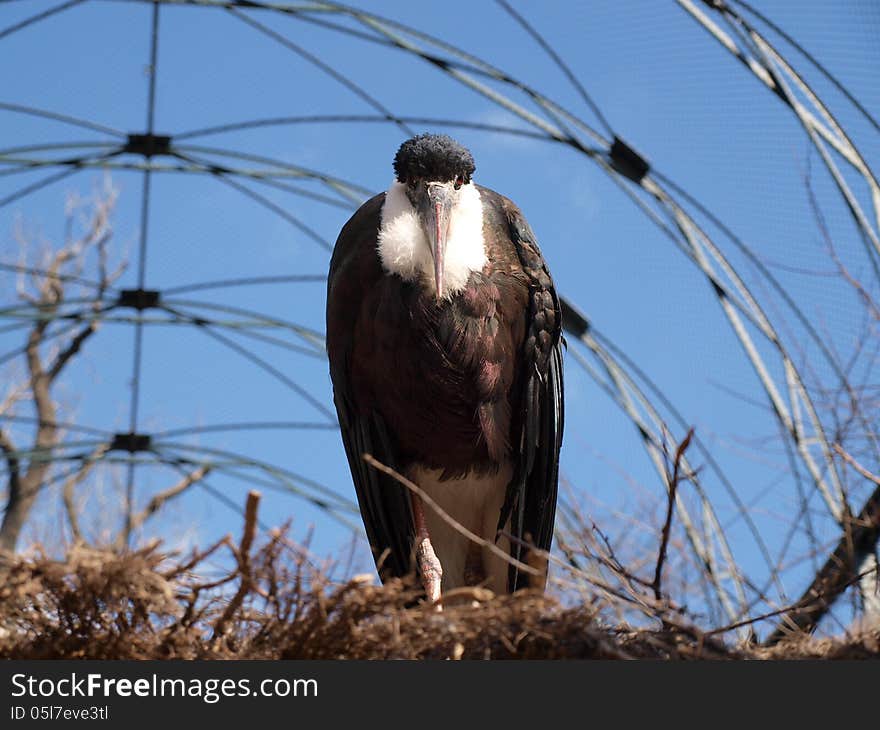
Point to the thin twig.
(850, 459)
(454, 524)
(72, 482)
(643, 602)
(672, 481)
(158, 501)
(859, 537)
(792, 607)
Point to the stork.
(444, 341)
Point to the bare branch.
(672, 480)
(158, 501)
(15, 394)
(73, 347)
(840, 569)
(72, 482)
(97, 237)
(49, 281)
(778, 612)
(243, 556)
(857, 286)
(23, 491)
(8, 448)
(850, 459)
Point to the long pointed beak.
(439, 248)
(436, 213)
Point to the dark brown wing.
(384, 504)
(531, 498)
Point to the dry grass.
(143, 605)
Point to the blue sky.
(662, 82)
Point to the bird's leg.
(429, 566)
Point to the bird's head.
(435, 169)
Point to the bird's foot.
(429, 565)
(431, 570)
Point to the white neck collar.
(404, 249)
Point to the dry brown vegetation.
(269, 603)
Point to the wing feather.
(384, 504)
(531, 497)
